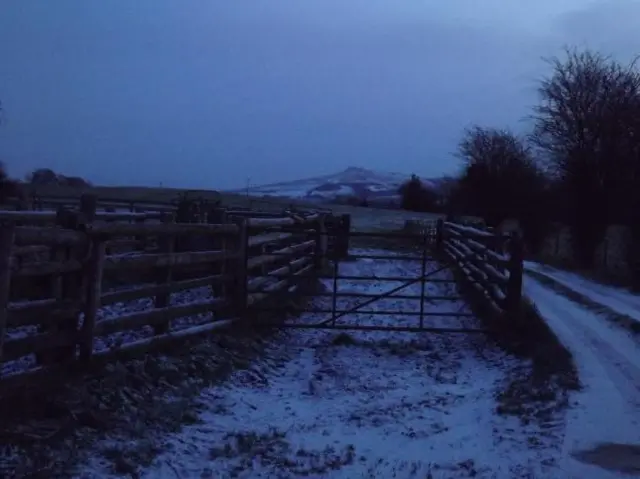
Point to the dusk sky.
(211, 94)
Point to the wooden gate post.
(514, 286)
(342, 250)
(7, 234)
(439, 234)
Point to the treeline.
(13, 188)
(579, 164)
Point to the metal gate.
(303, 301)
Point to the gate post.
(321, 244)
(343, 239)
(439, 228)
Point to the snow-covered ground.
(367, 404)
(608, 362)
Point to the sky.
(222, 93)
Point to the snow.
(382, 405)
(617, 299)
(608, 407)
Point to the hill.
(354, 182)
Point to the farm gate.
(328, 313)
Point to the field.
(363, 219)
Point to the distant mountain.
(354, 182)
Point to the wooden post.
(343, 239)
(237, 289)
(7, 234)
(92, 298)
(439, 234)
(514, 286)
(320, 254)
(423, 280)
(88, 207)
(71, 287)
(141, 240)
(219, 216)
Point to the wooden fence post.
(342, 250)
(88, 207)
(439, 234)
(219, 216)
(320, 254)
(237, 292)
(514, 286)
(7, 234)
(92, 298)
(69, 288)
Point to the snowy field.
(365, 404)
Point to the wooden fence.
(491, 263)
(60, 274)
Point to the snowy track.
(608, 362)
(617, 300)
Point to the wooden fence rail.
(79, 271)
(491, 263)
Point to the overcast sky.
(213, 93)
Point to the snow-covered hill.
(352, 182)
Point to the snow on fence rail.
(490, 262)
(77, 277)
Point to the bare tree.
(501, 180)
(587, 126)
(9, 188)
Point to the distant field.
(363, 219)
